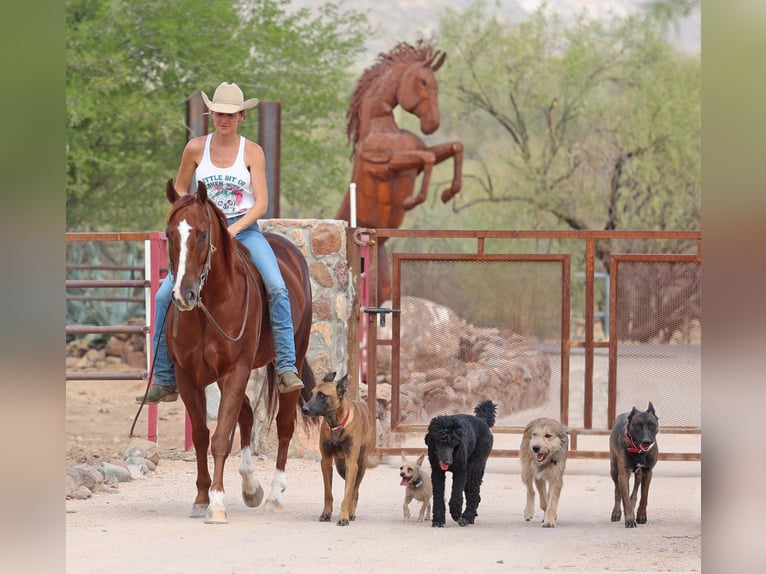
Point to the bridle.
(203, 278)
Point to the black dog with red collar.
(633, 451)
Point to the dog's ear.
(329, 377)
(421, 458)
(404, 458)
(632, 414)
(342, 386)
(426, 438)
(650, 408)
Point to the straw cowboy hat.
(228, 99)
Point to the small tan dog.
(418, 483)
(543, 455)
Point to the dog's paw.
(325, 517)
(630, 524)
(549, 524)
(343, 522)
(616, 515)
(641, 518)
(437, 524)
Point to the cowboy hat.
(228, 99)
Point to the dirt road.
(145, 526)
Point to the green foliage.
(591, 125)
(131, 66)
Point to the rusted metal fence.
(643, 347)
(154, 270)
(633, 326)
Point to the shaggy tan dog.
(543, 455)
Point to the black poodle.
(460, 444)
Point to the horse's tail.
(272, 401)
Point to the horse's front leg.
(444, 152)
(252, 493)
(232, 394)
(285, 429)
(195, 402)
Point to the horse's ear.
(170, 192)
(201, 192)
(439, 61)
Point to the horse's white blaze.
(184, 232)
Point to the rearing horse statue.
(386, 159)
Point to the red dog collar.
(342, 425)
(632, 448)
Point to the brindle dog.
(346, 438)
(633, 449)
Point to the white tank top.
(230, 188)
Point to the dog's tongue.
(443, 465)
(404, 481)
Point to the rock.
(138, 471)
(445, 363)
(140, 461)
(119, 472)
(87, 476)
(145, 449)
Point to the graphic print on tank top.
(229, 188)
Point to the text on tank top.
(230, 188)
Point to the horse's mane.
(228, 245)
(402, 53)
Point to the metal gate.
(527, 321)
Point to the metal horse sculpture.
(386, 159)
(226, 337)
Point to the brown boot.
(159, 394)
(288, 382)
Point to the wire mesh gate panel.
(473, 329)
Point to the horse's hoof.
(253, 499)
(273, 505)
(216, 517)
(198, 511)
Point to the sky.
(407, 20)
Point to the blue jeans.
(279, 309)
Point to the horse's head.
(189, 232)
(418, 92)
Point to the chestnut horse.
(226, 337)
(387, 159)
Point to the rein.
(203, 278)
